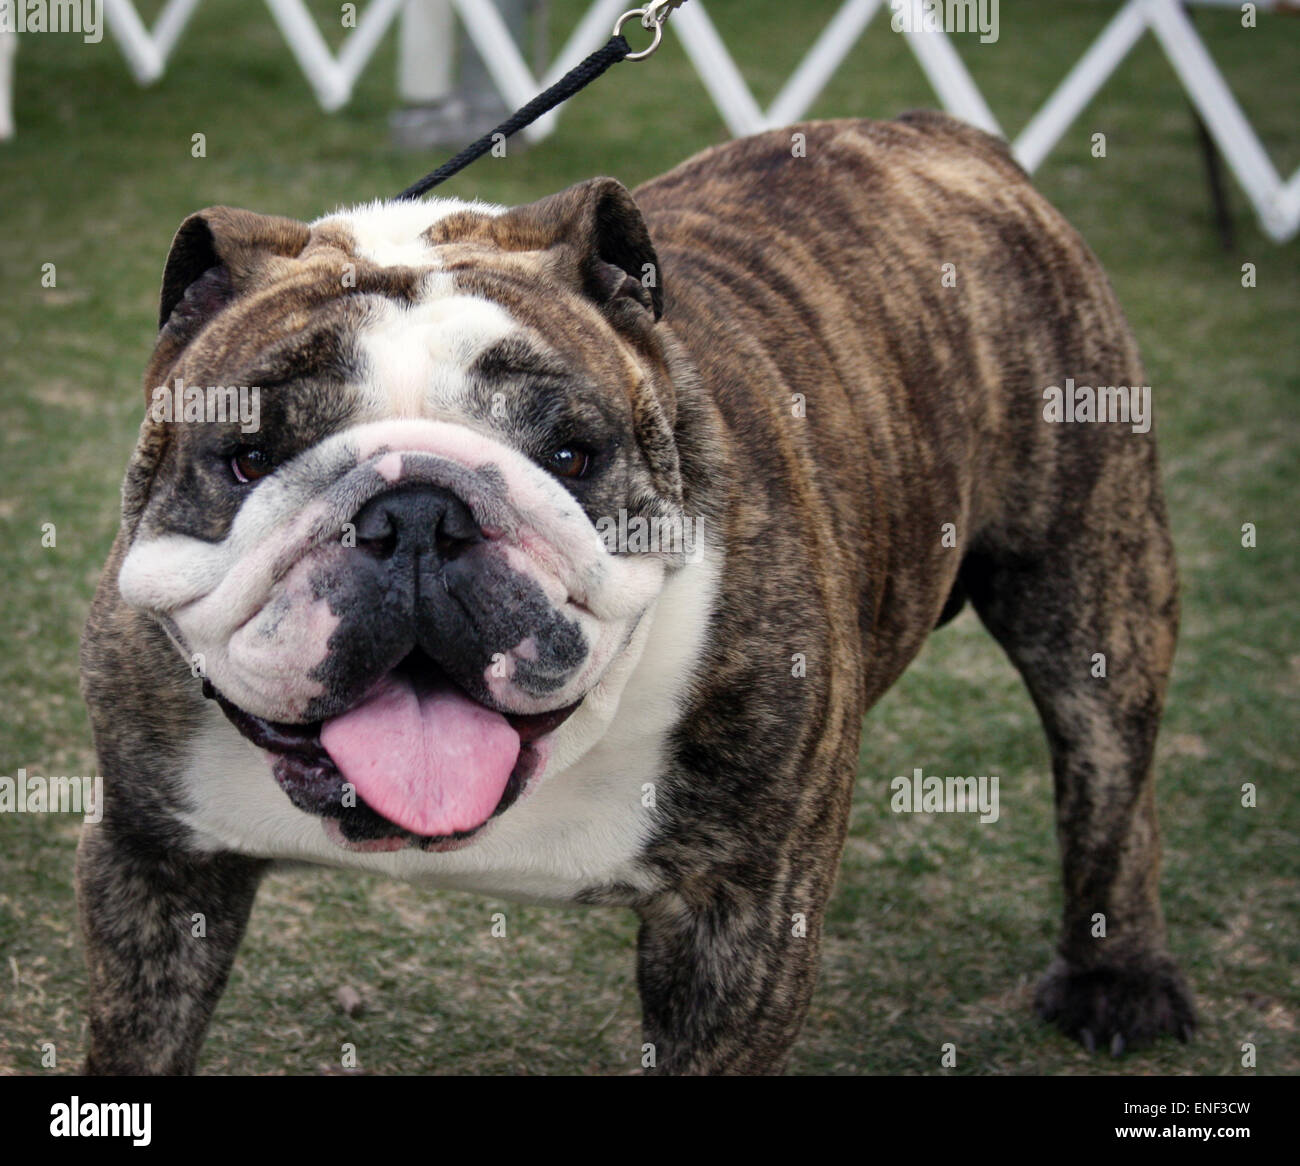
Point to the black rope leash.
(579, 77)
(615, 49)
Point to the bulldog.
(568, 544)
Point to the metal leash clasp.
(653, 16)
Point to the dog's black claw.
(1126, 1006)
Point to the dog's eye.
(250, 464)
(569, 461)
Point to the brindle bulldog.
(504, 590)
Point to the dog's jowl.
(494, 578)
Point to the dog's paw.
(1117, 1006)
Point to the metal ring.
(654, 44)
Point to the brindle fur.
(781, 275)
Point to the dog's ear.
(598, 239)
(215, 253)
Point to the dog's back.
(924, 296)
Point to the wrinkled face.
(369, 497)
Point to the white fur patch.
(389, 233)
(583, 826)
(417, 358)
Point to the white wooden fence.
(1276, 202)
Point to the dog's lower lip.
(300, 751)
(302, 741)
(532, 726)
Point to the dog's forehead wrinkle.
(322, 347)
(519, 355)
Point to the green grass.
(939, 927)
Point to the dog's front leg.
(161, 928)
(725, 983)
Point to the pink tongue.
(434, 762)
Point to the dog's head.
(372, 501)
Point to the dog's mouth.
(416, 762)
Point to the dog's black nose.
(416, 521)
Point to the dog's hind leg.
(1087, 610)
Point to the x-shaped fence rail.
(1276, 202)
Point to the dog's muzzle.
(414, 745)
